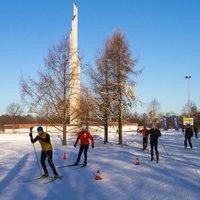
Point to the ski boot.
(76, 163)
(45, 175)
(56, 176)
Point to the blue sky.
(163, 34)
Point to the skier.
(196, 132)
(183, 130)
(188, 135)
(117, 132)
(154, 133)
(138, 130)
(145, 137)
(44, 140)
(84, 137)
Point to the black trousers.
(189, 141)
(44, 155)
(145, 143)
(154, 144)
(85, 149)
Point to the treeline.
(141, 119)
(25, 119)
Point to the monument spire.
(74, 70)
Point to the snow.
(176, 176)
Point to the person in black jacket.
(196, 132)
(154, 133)
(188, 135)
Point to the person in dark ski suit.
(145, 137)
(188, 136)
(196, 132)
(138, 130)
(44, 140)
(84, 137)
(154, 133)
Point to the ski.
(69, 165)
(153, 161)
(35, 179)
(80, 166)
(53, 179)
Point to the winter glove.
(92, 145)
(31, 129)
(39, 138)
(75, 145)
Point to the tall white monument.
(74, 71)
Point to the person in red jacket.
(84, 137)
(145, 137)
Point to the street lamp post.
(188, 78)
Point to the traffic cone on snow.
(98, 177)
(65, 156)
(137, 161)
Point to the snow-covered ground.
(177, 176)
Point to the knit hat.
(39, 129)
(83, 128)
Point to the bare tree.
(14, 110)
(123, 65)
(113, 86)
(193, 109)
(48, 96)
(194, 113)
(103, 88)
(154, 112)
(87, 107)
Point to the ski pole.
(31, 129)
(163, 147)
(37, 160)
(148, 149)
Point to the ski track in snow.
(176, 176)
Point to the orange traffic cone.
(98, 177)
(137, 161)
(65, 156)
